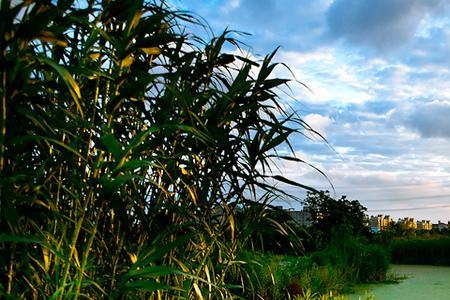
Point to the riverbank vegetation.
(327, 274)
(409, 246)
(337, 254)
(421, 251)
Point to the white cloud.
(344, 150)
(318, 123)
(230, 5)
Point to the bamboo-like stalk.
(10, 272)
(3, 126)
(86, 253)
(73, 244)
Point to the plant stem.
(73, 244)
(10, 273)
(3, 136)
(86, 252)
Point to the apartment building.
(441, 226)
(301, 217)
(424, 225)
(407, 223)
(379, 222)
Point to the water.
(423, 283)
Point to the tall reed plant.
(128, 146)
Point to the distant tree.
(335, 217)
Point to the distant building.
(379, 223)
(440, 226)
(375, 223)
(407, 223)
(387, 222)
(301, 217)
(424, 225)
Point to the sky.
(380, 80)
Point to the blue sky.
(380, 76)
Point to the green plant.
(308, 295)
(333, 219)
(374, 264)
(421, 251)
(355, 260)
(128, 146)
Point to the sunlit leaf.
(127, 61)
(48, 37)
(151, 50)
(72, 85)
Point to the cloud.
(292, 25)
(318, 122)
(231, 5)
(382, 24)
(430, 120)
(331, 77)
(430, 50)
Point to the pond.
(422, 282)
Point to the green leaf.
(21, 139)
(136, 141)
(156, 254)
(19, 239)
(146, 285)
(294, 183)
(116, 183)
(112, 145)
(74, 89)
(271, 83)
(136, 164)
(152, 271)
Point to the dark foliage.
(421, 251)
(334, 219)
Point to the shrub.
(358, 262)
(421, 251)
(263, 273)
(374, 264)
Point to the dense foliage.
(127, 147)
(421, 251)
(357, 260)
(332, 270)
(335, 219)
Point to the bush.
(262, 275)
(374, 264)
(332, 269)
(357, 262)
(421, 251)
